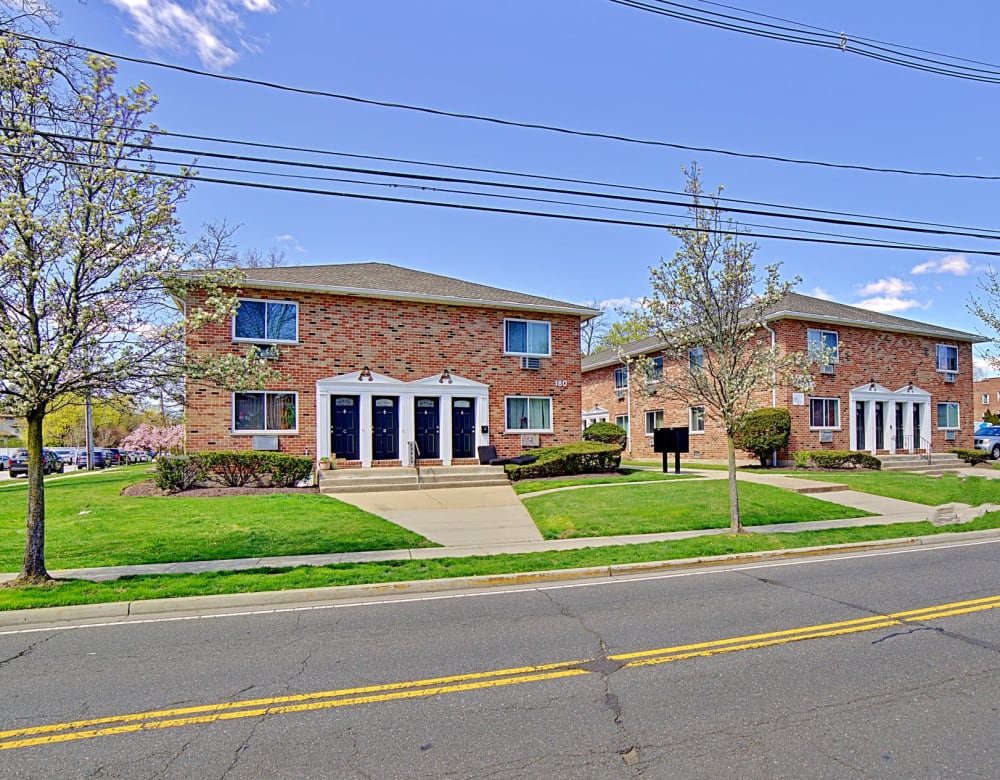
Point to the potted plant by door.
(325, 464)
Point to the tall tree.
(707, 306)
(592, 330)
(90, 258)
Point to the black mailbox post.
(667, 440)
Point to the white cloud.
(613, 304)
(958, 265)
(819, 292)
(203, 25)
(891, 287)
(887, 304)
(288, 238)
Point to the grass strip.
(75, 592)
(88, 523)
(623, 475)
(919, 488)
(671, 506)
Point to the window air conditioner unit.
(949, 376)
(619, 394)
(825, 437)
(949, 435)
(267, 351)
(827, 369)
(532, 363)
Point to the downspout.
(774, 382)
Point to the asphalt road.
(884, 664)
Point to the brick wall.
(991, 389)
(890, 359)
(404, 340)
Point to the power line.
(830, 220)
(809, 35)
(504, 122)
(847, 241)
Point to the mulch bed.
(149, 488)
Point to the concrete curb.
(289, 599)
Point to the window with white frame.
(998, 396)
(527, 337)
(823, 345)
(986, 398)
(947, 416)
(696, 359)
(266, 321)
(529, 414)
(265, 412)
(697, 419)
(654, 369)
(824, 412)
(946, 357)
(621, 378)
(621, 420)
(654, 420)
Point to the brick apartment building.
(986, 394)
(375, 358)
(895, 385)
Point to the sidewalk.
(493, 521)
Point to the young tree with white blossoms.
(89, 251)
(708, 307)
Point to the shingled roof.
(795, 306)
(382, 280)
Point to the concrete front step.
(944, 462)
(406, 478)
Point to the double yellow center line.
(346, 697)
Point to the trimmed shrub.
(175, 473)
(248, 467)
(801, 458)
(287, 470)
(972, 457)
(235, 469)
(606, 433)
(763, 432)
(584, 457)
(839, 459)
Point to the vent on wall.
(825, 437)
(827, 369)
(532, 363)
(949, 376)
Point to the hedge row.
(835, 459)
(233, 469)
(583, 457)
(606, 433)
(972, 457)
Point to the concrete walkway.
(493, 521)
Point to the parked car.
(66, 456)
(988, 439)
(4, 462)
(51, 463)
(99, 460)
(115, 457)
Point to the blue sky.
(589, 65)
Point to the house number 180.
(562, 383)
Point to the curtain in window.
(538, 338)
(540, 411)
(249, 412)
(280, 411)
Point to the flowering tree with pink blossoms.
(159, 440)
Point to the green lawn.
(87, 523)
(670, 506)
(169, 586)
(912, 487)
(624, 475)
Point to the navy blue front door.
(428, 423)
(385, 428)
(463, 428)
(345, 414)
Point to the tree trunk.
(735, 524)
(33, 569)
